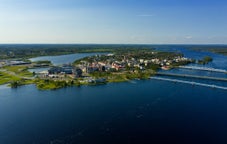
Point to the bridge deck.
(204, 69)
(192, 76)
(191, 83)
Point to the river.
(139, 111)
(59, 60)
(63, 59)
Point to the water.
(38, 70)
(59, 60)
(219, 61)
(63, 59)
(139, 111)
(122, 112)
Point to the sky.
(113, 21)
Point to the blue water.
(37, 70)
(219, 61)
(63, 59)
(139, 111)
(59, 60)
(114, 113)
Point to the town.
(114, 67)
(91, 70)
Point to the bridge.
(189, 82)
(192, 76)
(204, 69)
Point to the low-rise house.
(137, 65)
(101, 63)
(42, 74)
(141, 60)
(67, 70)
(117, 66)
(77, 72)
(110, 55)
(63, 70)
(84, 69)
(102, 68)
(92, 69)
(55, 70)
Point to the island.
(121, 64)
(218, 49)
(205, 60)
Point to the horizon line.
(109, 44)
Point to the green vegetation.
(18, 71)
(128, 54)
(7, 78)
(136, 64)
(41, 84)
(123, 76)
(25, 51)
(182, 63)
(15, 84)
(220, 49)
(15, 76)
(52, 84)
(43, 62)
(205, 60)
(128, 61)
(153, 67)
(12, 80)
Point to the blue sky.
(114, 21)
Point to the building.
(78, 72)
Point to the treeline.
(205, 60)
(33, 50)
(220, 49)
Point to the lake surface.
(139, 111)
(63, 59)
(59, 60)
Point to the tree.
(14, 84)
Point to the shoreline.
(118, 67)
(51, 87)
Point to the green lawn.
(7, 78)
(19, 70)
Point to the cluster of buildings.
(115, 64)
(104, 63)
(60, 72)
(66, 69)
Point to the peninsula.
(117, 65)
